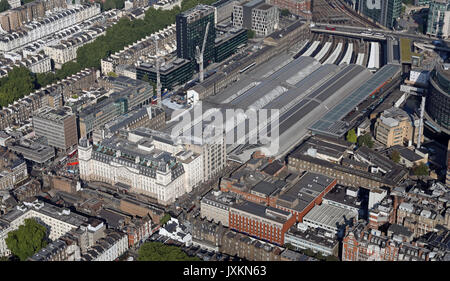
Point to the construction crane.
(158, 76)
(199, 55)
(422, 110)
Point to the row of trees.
(4, 5)
(364, 140)
(21, 82)
(126, 32)
(157, 251)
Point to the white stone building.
(49, 25)
(148, 165)
(57, 220)
(109, 248)
(258, 16)
(66, 50)
(176, 231)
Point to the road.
(192, 199)
(356, 31)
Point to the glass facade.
(191, 27)
(386, 14)
(176, 74)
(227, 47)
(436, 15)
(438, 101)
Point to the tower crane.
(158, 76)
(199, 55)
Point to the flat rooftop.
(269, 213)
(328, 216)
(305, 190)
(331, 123)
(314, 235)
(339, 194)
(54, 114)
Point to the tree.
(351, 136)
(331, 258)
(285, 13)
(121, 34)
(145, 78)
(27, 240)
(4, 258)
(421, 170)
(289, 246)
(366, 140)
(18, 83)
(164, 219)
(251, 34)
(157, 251)
(395, 156)
(4, 5)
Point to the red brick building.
(300, 198)
(265, 223)
(139, 229)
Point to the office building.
(228, 41)
(224, 9)
(33, 150)
(438, 23)
(172, 73)
(58, 125)
(191, 27)
(437, 107)
(258, 16)
(386, 14)
(151, 117)
(129, 94)
(265, 223)
(396, 127)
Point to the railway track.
(336, 12)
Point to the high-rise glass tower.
(384, 12)
(438, 23)
(191, 27)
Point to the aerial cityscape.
(229, 130)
